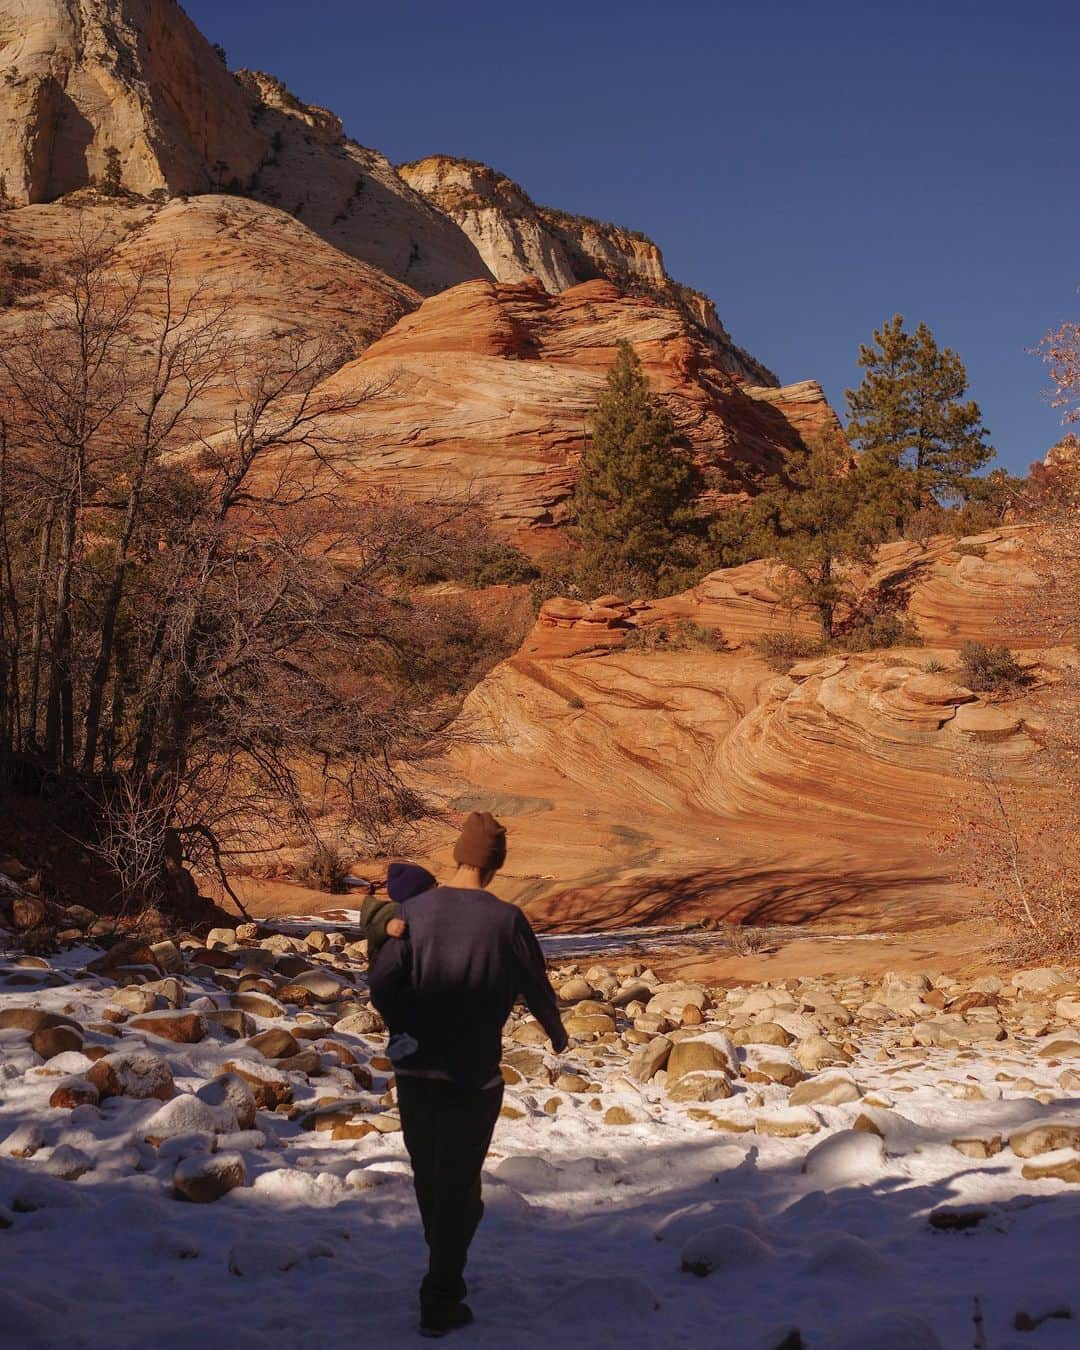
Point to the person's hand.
(396, 928)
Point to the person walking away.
(445, 993)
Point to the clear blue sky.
(813, 167)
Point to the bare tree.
(1021, 842)
(202, 619)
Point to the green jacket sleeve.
(375, 914)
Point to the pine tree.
(910, 408)
(824, 515)
(634, 501)
(112, 178)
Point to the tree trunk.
(37, 632)
(58, 719)
(826, 606)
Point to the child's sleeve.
(375, 915)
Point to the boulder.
(649, 1059)
(723, 1247)
(1061, 1165)
(204, 1178)
(362, 1022)
(48, 1042)
(762, 1033)
(573, 991)
(847, 1158)
(669, 1000)
(33, 1019)
(1046, 1136)
(133, 1073)
(828, 1090)
(700, 1086)
(815, 1053)
(276, 1043)
(134, 998)
(267, 1085)
(185, 1028)
(231, 1092)
(589, 1024)
(259, 1005)
(69, 1163)
(73, 1092)
(708, 1053)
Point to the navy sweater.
(452, 981)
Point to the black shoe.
(440, 1318)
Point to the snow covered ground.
(697, 1226)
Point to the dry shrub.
(678, 637)
(781, 651)
(1021, 845)
(988, 669)
(876, 631)
(325, 867)
(744, 940)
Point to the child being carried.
(381, 915)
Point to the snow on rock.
(845, 1256)
(205, 1178)
(529, 1173)
(24, 1141)
(724, 1246)
(506, 1201)
(290, 1186)
(189, 1114)
(133, 1073)
(848, 1158)
(68, 1163)
(865, 1205)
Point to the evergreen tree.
(910, 409)
(825, 514)
(634, 501)
(112, 178)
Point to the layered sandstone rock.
(518, 239)
(84, 80)
(955, 590)
(278, 277)
(489, 388)
(652, 779)
(83, 77)
(350, 194)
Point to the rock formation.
(278, 275)
(518, 239)
(88, 81)
(664, 780)
(490, 388)
(127, 95)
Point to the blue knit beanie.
(404, 880)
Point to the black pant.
(448, 1129)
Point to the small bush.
(780, 651)
(880, 630)
(745, 941)
(468, 553)
(452, 647)
(679, 637)
(325, 867)
(966, 550)
(934, 666)
(988, 669)
(575, 702)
